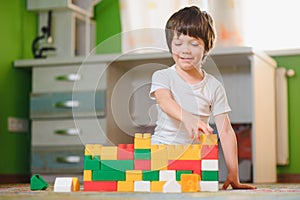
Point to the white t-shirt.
(202, 99)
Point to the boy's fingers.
(225, 185)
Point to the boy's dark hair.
(193, 22)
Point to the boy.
(187, 96)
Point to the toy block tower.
(143, 167)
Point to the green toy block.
(90, 163)
(179, 172)
(142, 154)
(210, 176)
(119, 165)
(113, 175)
(38, 183)
(150, 175)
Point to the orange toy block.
(125, 186)
(92, 149)
(134, 175)
(109, 153)
(142, 141)
(76, 184)
(190, 182)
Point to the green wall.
(292, 62)
(108, 27)
(18, 29)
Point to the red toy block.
(209, 152)
(142, 164)
(125, 152)
(184, 165)
(106, 186)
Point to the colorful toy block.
(134, 175)
(125, 186)
(108, 186)
(142, 154)
(109, 153)
(190, 182)
(119, 165)
(63, 184)
(125, 152)
(142, 141)
(87, 175)
(76, 184)
(38, 183)
(180, 172)
(109, 175)
(167, 175)
(91, 163)
(142, 164)
(209, 165)
(142, 167)
(209, 186)
(93, 149)
(157, 186)
(150, 175)
(172, 186)
(142, 186)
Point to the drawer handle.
(69, 77)
(68, 159)
(67, 104)
(69, 131)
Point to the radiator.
(282, 117)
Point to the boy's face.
(187, 51)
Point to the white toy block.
(209, 186)
(172, 186)
(63, 184)
(167, 175)
(209, 165)
(142, 186)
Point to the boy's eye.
(195, 43)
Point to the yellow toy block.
(157, 186)
(142, 141)
(190, 182)
(175, 151)
(76, 185)
(159, 157)
(134, 175)
(92, 149)
(191, 152)
(125, 186)
(87, 175)
(159, 152)
(109, 153)
(210, 139)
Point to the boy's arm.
(167, 103)
(229, 146)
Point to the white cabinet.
(248, 77)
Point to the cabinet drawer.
(81, 104)
(65, 78)
(68, 132)
(57, 159)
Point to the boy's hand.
(195, 126)
(235, 184)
